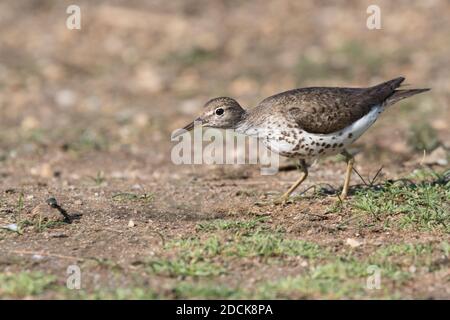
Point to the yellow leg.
(286, 195)
(348, 173)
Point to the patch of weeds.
(24, 284)
(340, 269)
(193, 258)
(231, 225)
(346, 277)
(208, 257)
(427, 174)
(409, 249)
(336, 279)
(341, 278)
(140, 292)
(428, 207)
(134, 293)
(99, 178)
(186, 290)
(257, 244)
(19, 208)
(273, 245)
(41, 225)
(424, 206)
(308, 287)
(406, 254)
(185, 266)
(180, 290)
(336, 207)
(18, 216)
(127, 294)
(370, 202)
(197, 248)
(446, 248)
(104, 263)
(145, 197)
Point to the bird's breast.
(282, 140)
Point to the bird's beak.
(186, 128)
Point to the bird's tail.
(389, 93)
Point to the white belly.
(336, 142)
(312, 145)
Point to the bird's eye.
(219, 111)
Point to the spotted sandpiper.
(308, 123)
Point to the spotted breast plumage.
(308, 123)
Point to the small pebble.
(353, 242)
(12, 227)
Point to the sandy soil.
(86, 117)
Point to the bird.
(307, 123)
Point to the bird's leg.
(304, 169)
(348, 173)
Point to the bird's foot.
(266, 203)
(338, 198)
(280, 201)
(283, 200)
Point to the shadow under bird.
(307, 123)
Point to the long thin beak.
(186, 128)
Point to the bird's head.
(222, 113)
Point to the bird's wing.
(326, 110)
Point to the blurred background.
(86, 117)
(137, 70)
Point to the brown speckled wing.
(326, 110)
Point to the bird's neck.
(244, 125)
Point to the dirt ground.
(86, 118)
